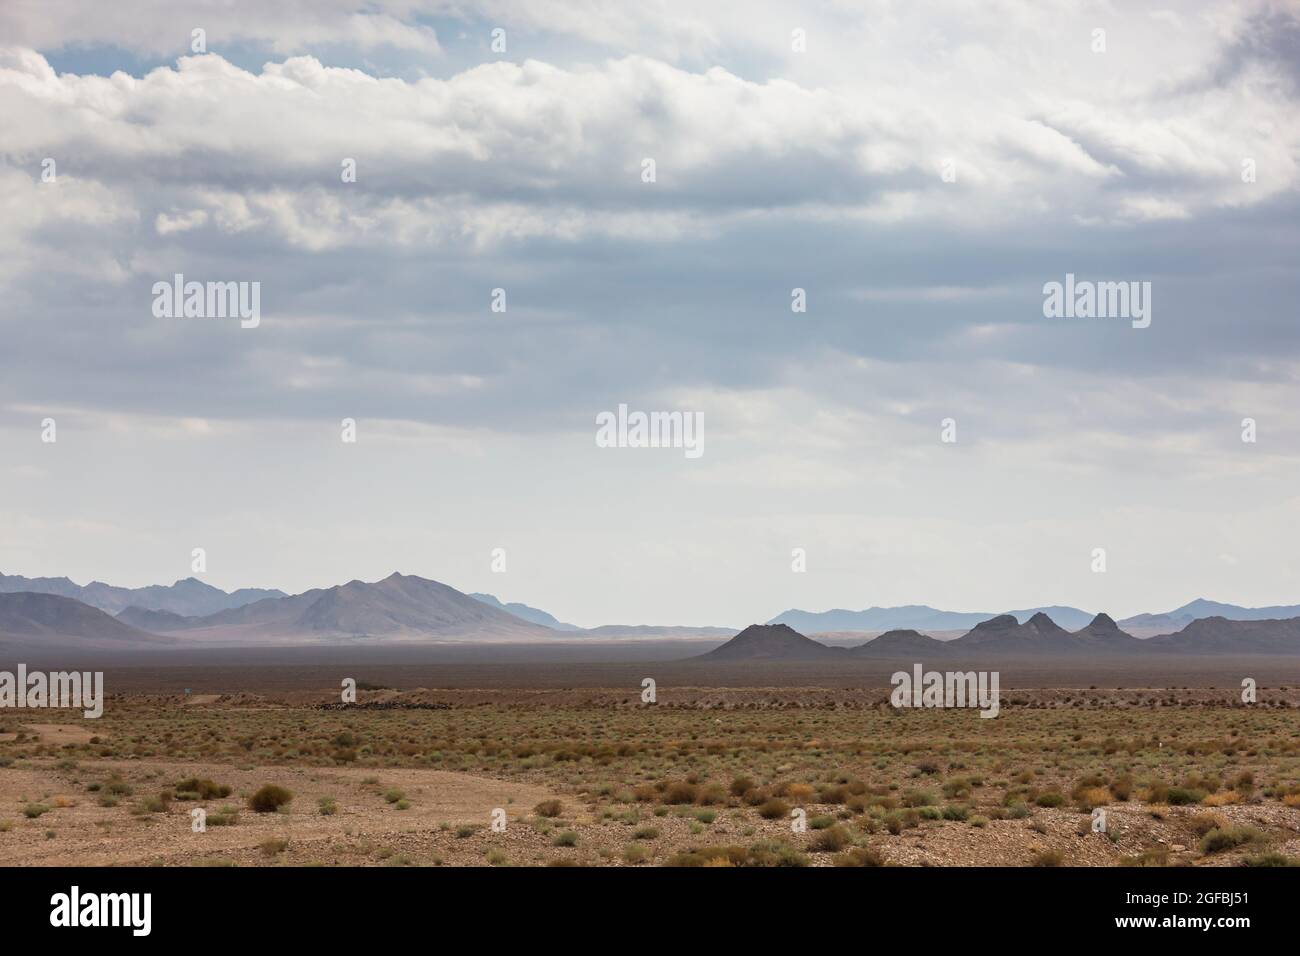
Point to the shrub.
(859, 856)
(225, 817)
(274, 846)
(269, 798)
(830, 841)
(800, 792)
(1050, 799)
(646, 833)
(159, 803)
(1203, 823)
(328, 806)
(567, 838)
(774, 809)
(548, 808)
(1049, 858)
(34, 810)
(711, 795)
(203, 788)
(1228, 838)
(1223, 798)
(1090, 797)
(679, 792)
(741, 785)
(1184, 796)
(774, 853)
(635, 853)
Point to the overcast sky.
(776, 168)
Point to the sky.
(920, 171)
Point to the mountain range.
(404, 608)
(400, 607)
(1004, 636)
(186, 597)
(921, 617)
(28, 618)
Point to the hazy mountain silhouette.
(1201, 608)
(1004, 636)
(398, 607)
(32, 618)
(917, 617)
(187, 597)
(525, 612)
(1218, 635)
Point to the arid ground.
(709, 774)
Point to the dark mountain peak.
(1003, 622)
(770, 629)
(769, 642)
(1042, 626)
(1103, 621)
(901, 643)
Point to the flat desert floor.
(734, 767)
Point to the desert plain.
(459, 758)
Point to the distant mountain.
(1004, 634)
(1104, 636)
(769, 642)
(919, 617)
(37, 619)
(1218, 635)
(1201, 608)
(157, 621)
(527, 613)
(902, 644)
(189, 597)
(999, 636)
(398, 607)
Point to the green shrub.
(1228, 838)
(202, 788)
(269, 798)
